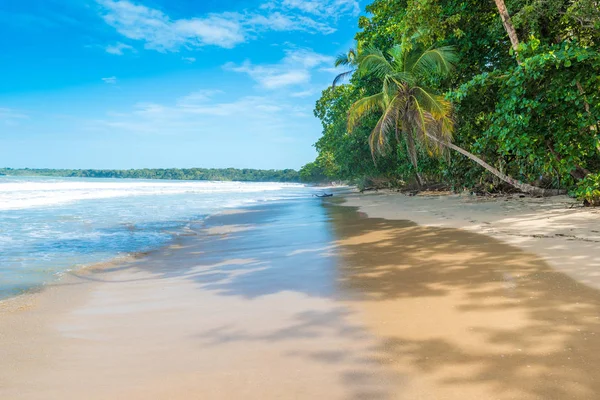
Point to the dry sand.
(557, 229)
(462, 315)
(277, 304)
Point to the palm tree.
(410, 109)
(347, 59)
(406, 106)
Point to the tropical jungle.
(484, 95)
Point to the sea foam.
(50, 225)
(22, 193)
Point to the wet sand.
(304, 301)
(244, 309)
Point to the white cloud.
(272, 77)
(334, 70)
(202, 103)
(277, 80)
(294, 69)
(10, 116)
(228, 29)
(324, 8)
(198, 97)
(224, 31)
(304, 93)
(138, 22)
(279, 22)
(189, 60)
(306, 58)
(110, 80)
(118, 49)
(202, 112)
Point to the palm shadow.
(528, 329)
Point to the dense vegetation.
(202, 174)
(522, 83)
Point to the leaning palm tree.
(410, 109)
(406, 106)
(349, 59)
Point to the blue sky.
(166, 83)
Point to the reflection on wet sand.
(464, 316)
(301, 301)
(224, 314)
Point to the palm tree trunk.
(510, 28)
(419, 179)
(412, 154)
(524, 187)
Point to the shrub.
(588, 190)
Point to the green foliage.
(312, 173)
(542, 115)
(405, 107)
(556, 21)
(201, 174)
(537, 121)
(347, 157)
(472, 27)
(588, 190)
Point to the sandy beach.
(384, 297)
(513, 313)
(300, 200)
(558, 229)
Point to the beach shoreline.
(354, 304)
(50, 225)
(15, 300)
(131, 330)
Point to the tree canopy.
(524, 93)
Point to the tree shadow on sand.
(466, 309)
(466, 312)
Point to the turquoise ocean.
(49, 226)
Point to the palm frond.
(437, 105)
(426, 124)
(441, 113)
(438, 61)
(440, 132)
(362, 107)
(389, 89)
(348, 58)
(341, 59)
(446, 128)
(341, 77)
(378, 139)
(397, 55)
(402, 77)
(419, 118)
(352, 56)
(372, 62)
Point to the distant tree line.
(199, 174)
